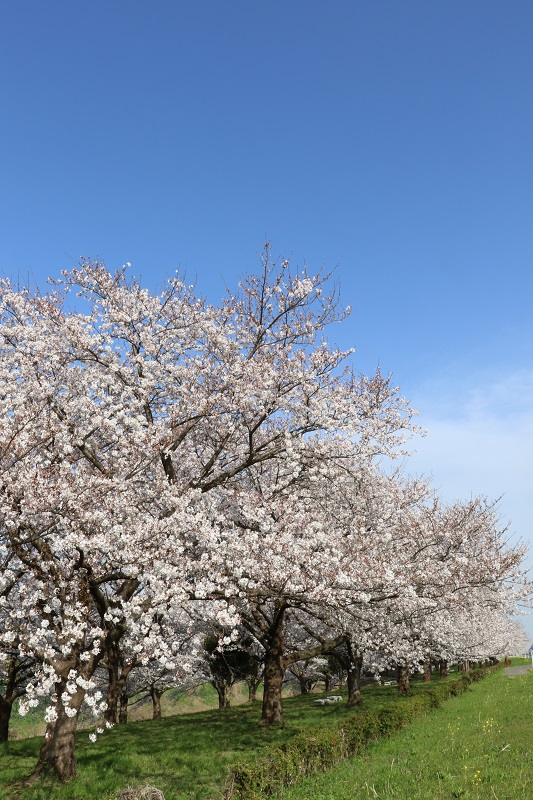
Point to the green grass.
(188, 756)
(479, 745)
(201, 698)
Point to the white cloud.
(480, 442)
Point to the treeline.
(187, 489)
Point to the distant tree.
(17, 667)
(334, 672)
(228, 664)
(15, 672)
(308, 673)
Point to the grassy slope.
(202, 698)
(479, 745)
(187, 756)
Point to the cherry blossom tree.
(117, 424)
(305, 554)
(308, 673)
(158, 453)
(228, 664)
(453, 559)
(17, 668)
(16, 671)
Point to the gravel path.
(518, 670)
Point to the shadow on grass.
(186, 756)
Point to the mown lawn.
(188, 756)
(479, 745)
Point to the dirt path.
(518, 670)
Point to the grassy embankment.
(187, 756)
(479, 745)
(202, 698)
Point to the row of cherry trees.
(172, 469)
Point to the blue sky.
(390, 141)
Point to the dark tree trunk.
(14, 672)
(252, 693)
(252, 689)
(304, 686)
(118, 675)
(58, 750)
(354, 677)
(155, 694)
(272, 712)
(58, 753)
(327, 682)
(427, 671)
(113, 694)
(223, 694)
(123, 709)
(404, 686)
(276, 659)
(443, 668)
(5, 714)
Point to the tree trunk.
(427, 671)
(304, 686)
(327, 682)
(123, 709)
(404, 687)
(113, 694)
(223, 693)
(10, 695)
(277, 660)
(252, 689)
(155, 694)
(354, 677)
(5, 714)
(58, 750)
(118, 675)
(272, 712)
(58, 753)
(443, 668)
